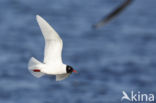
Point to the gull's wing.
(60, 77)
(112, 14)
(53, 42)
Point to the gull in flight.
(52, 64)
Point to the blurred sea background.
(119, 56)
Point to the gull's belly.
(53, 70)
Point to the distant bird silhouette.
(112, 14)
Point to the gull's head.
(70, 69)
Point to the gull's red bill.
(74, 71)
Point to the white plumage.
(52, 64)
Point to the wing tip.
(38, 17)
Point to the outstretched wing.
(53, 42)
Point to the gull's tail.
(35, 66)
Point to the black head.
(69, 69)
